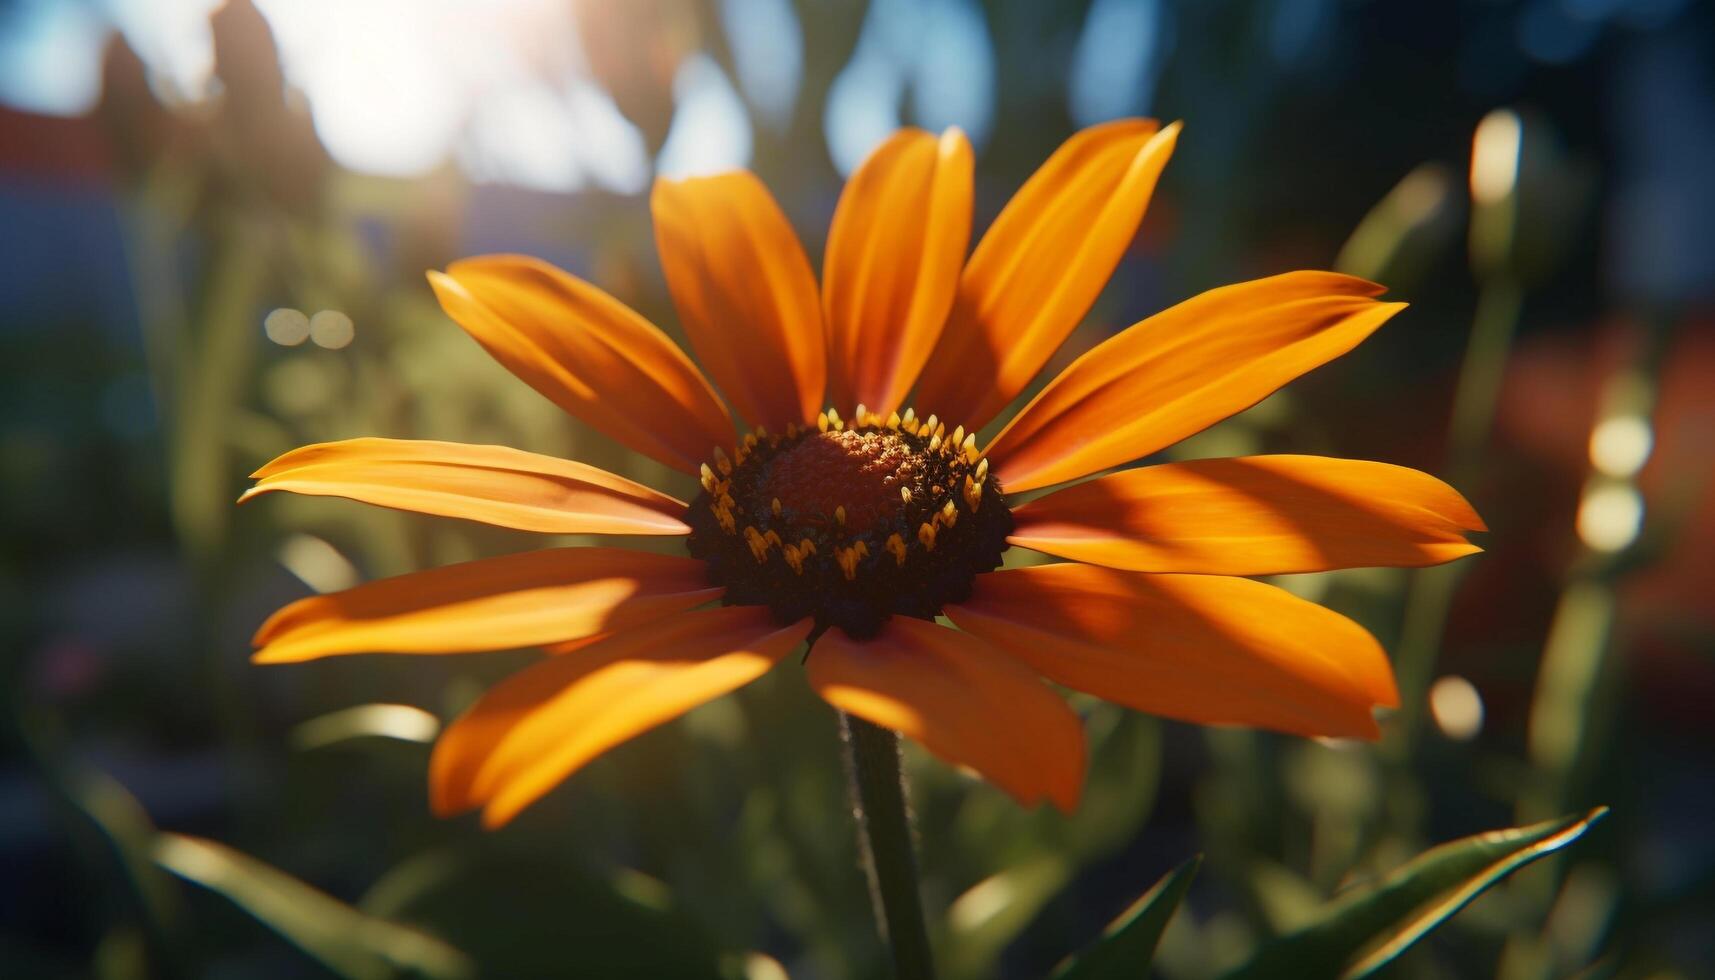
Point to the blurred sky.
(397, 87)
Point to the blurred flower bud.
(634, 50)
(271, 142)
(138, 127)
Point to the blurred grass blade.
(1128, 945)
(1368, 927)
(1406, 233)
(991, 913)
(348, 942)
(397, 721)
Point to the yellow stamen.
(926, 536)
(896, 546)
(775, 506)
(840, 515)
(973, 494)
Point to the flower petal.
(520, 600)
(1181, 371)
(964, 701)
(1040, 267)
(588, 353)
(1257, 515)
(892, 265)
(531, 731)
(1201, 648)
(492, 484)
(745, 293)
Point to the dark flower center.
(850, 523)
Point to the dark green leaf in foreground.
(352, 944)
(1367, 927)
(1128, 944)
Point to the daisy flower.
(834, 513)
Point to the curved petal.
(1181, 371)
(964, 701)
(1042, 264)
(521, 600)
(1257, 515)
(1200, 648)
(534, 729)
(588, 353)
(745, 293)
(892, 266)
(492, 484)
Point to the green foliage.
(352, 944)
(1128, 944)
(1368, 927)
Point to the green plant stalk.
(1474, 400)
(884, 833)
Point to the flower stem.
(878, 802)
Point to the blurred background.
(215, 219)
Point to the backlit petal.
(1181, 371)
(962, 700)
(530, 732)
(492, 484)
(1258, 515)
(588, 353)
(892, 266)
(520, 600)
(1040, 267)
(1202, 648)
(745, 294)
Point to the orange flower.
(855, 532)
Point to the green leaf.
(1367, 927)
(351, 943)
(1128, 944)
(524, 912)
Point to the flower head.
(846, 517)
